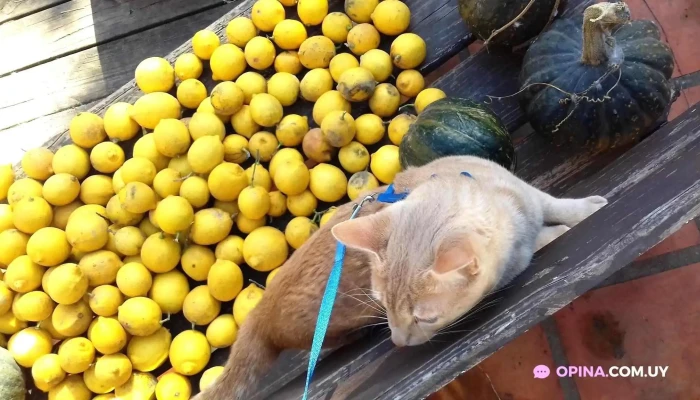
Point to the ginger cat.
(427, 260)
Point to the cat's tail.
(251, 357)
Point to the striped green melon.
(11, 379)
(456, 127)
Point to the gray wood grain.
(14, 9)
(81, 24)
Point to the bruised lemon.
(155, 74)
(227, 98)
(316, 52)
(71, 320)
(385, 100)
(360, 182)
(27, 187)
(356, 84)
(338, 128)
(363, 38)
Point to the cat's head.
(425, 252)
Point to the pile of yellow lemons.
(98, 249)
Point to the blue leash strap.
(324, 313)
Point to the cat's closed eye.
(426, 320)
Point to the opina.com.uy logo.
(650, 371)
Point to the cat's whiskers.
(366, 304)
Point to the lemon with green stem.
(254, 200)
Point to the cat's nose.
(400, 339)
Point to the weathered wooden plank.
(439, 24)
(14, 9)
(91, 74)
(80, 24)
(653, 189)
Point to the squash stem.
(599, 20)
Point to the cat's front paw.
(591, 205)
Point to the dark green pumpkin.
(604, 90)
(484, 17)
(456, 127)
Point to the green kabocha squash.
(507, 22)
(604, 83)
(11, 379)
(456, 127)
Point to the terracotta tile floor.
(644, 322)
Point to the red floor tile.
(510, 373)
(647, 322)
(687, 236)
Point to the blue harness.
(324, 313)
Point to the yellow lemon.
(188, 66)
(196, 262)
(427, 97)
(271, 276)
(312, 12)
(96, 189)
(180, 165)
(9, 324)
(410, 82)
(385, 100)
(246, 302)
(336, 26)
(240, 30)
(173, 386)
(354, 157)
(118, 122)
(140, 316)
(361, 182)
(391, 17)
(227, 98)
(399, 127)
(134, 280)
(174, 214)
(263, 145)
(288, 3)
(160, 253)
(236, 149)
(117, 214)
(105, 300)
(378, 62)
(87, 129)
(139, 386)
(243, 122)
(36, 163)
(291, 130)
(62, 213)
(206, 107)
(299, 230)
(266, 14)
(24, 188)
(28, 345)
(205, 43)
(107, 157)
(369, 129)
(146, 147)
(107, 335)
(328, 183)
(284, 87)
(266, 110)
(7, 178)
(47, 372)
(155, 74)
(200, 307)
(303, 204)
(356, 84)
(205, 124)
(222, 331)
(210, 376)
(31, 214)
(292, 177)
(167, 183)
(288, 61)
(148, 229)
(205, 153)
(315, 83)
(23, 275)
(385, 163)
(408, 51)
(149, 109)
(76, 355)
(147, 353)
(259, 176)
(327, 215)
(113, 369)
(316, 52)
(95, 384)
(338, 128)
(6, 296)
(87, 232)
(71, 388)
(169, 291)
(48, 247)
(251, 83)
(360, 11)
(47, 325)
(282, 156)
(6, 217)
(247, 225)
(33, 306)
(189, 352)
(13, 244)
(230, 249)
(73, 319)
(137, 198)
(265, 249)
(210, 226)
(341, 63)
(68, 284)
(191, 93)
(289, 34)
(227, 63)
(329, 101)
(225, 280)
(226, 181)
(254, 202)
(363, 38)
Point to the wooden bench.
(652, 188)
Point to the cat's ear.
(457, 257)
(364, 233)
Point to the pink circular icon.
(541, 371)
